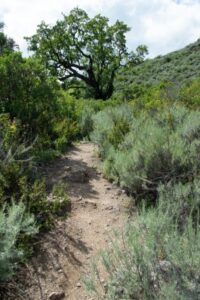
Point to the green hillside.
(178, 66)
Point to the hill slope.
(179, 66)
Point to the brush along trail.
(98, 207)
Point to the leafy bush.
(154, 260)
(18, 182)
(14, 223)
(33, 98)
(157, 97)
(190, 94)
(28, 94)
(66, 131)
(87, 109)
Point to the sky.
(162, 25)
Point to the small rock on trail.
(56, 296)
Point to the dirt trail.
(97, 208)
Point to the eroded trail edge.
(98, 207)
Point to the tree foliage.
(6, 44)
(83, 48)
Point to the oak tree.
(89, 50)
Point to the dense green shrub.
(190, 94)
(28, 93)
(18, 181)
(65, 125)
(157, 97)
(35, 99)
(14, 223)
(155, 260)
(66, 131)
(75, 118)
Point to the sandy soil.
(64, 254)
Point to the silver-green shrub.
(150, 149)
(111, 126)
(86, 120)
(14, 222)
(181, 200)
(155, 259)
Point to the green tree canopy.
(6, 44)
(83, 48)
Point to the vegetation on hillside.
(177, 67)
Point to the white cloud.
(163, 25)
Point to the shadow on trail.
(59, 244)
(74, 173)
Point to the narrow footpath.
(98, 207)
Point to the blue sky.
(163, 25)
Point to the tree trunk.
(104, 95)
